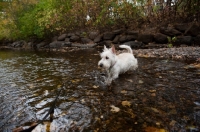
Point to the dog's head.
(108, 58)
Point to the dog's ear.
(113, 49)
(105, 48)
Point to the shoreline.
(177, 53)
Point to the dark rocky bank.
(150, 42)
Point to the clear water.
(161, 95)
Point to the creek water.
(161, 95)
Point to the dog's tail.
(127, 47)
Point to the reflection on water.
(162, 95)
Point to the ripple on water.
(161, 95)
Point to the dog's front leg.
(115, 76)
(109, 78)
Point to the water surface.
(161, 95)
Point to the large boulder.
(183, 40)
(118, 31)
(182, 27)
(86, 41)
(160, 38)
(55, 38)
(125, 38)
(169, 31)
(4, 41)
(18, 44)
(98, 38)
(41, 44)
(74, 38)
(70, 34)
(78, 33)
(116, 39)
(67, 39)
(108, 36)
(197, 40)
(134, 44)
(122, 38)
(193, 30)
(57, 44)
(93, 35)
(28, 45)
(131, 37)
(62, 37)
(132, 32)
(145, 38)
(106, 43)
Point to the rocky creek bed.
(145, 42)
(162, 95)
(181, 53)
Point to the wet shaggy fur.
(116, 64)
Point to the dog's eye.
(107, 57)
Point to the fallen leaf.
(196, 65)
(172, 123)
(75, 80)
(172, 112)
(46, 63)
(129, 80)
(95, 86)
(155, 110)
(126, 103)
(13, 85)
(158, 123)
(31, 86)
(97, 118)
(143, 55)
(114, 109)
(82, 101)
(130, 112)
(153, 94)
(153, 129)
(124, 92)
(140, 82)
(59, 86)
(72, 99)
(81, 64)
(152, 91)
(162, 130)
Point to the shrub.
(24, 19)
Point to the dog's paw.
(108, 82)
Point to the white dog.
(117, 64)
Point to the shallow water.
(162, 95)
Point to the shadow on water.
(161, 95)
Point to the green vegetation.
(25, 19)
(171, 41)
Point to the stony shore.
(184, 40)
(177, 53)
(181, 53)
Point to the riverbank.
(178, 53)
(178, 41)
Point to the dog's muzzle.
(101, 65)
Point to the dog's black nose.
(101, 65)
